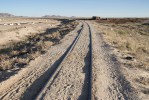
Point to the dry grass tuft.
(143, 80)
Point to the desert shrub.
(122, 32)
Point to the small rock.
(34, 49)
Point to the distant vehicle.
(96, 18)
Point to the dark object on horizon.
(96, 18)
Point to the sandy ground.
(14, 33)
(72, 80)
(108, 81)
(19, 86)
(137, 77)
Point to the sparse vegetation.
(129, 38)
(122, 32)
(17, 33)
(143, 80)
(20, 54)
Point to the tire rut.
(72, 80)
(49, 75)
(14, 87)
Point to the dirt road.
(79, 68)
(72, 79)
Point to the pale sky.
(83, 8)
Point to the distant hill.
(6, 15)
(55, 16)
(52, 16)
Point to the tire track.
(90, 68)
(56, 69)
(69, 82)
(15, 87)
